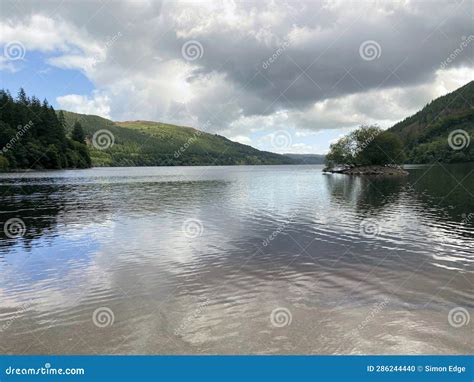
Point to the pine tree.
(62, 119)
(34, 136)
(78, 134)
(22, 98)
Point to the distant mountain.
(145, 143)
(443, 130)
(307, 158)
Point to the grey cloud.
(323, 38)
(414, 51)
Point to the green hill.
(307, 158)
(426, 134)
(145, 143)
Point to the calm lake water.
(251, 259)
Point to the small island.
(368, 170)
(369, 150)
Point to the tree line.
(446, 141)
(33, 136)
(367, 145)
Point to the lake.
(236, 260)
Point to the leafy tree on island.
(368, 145)
(385, 148)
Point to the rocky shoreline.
(367, 170)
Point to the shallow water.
(250, 259)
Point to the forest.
(33, 136)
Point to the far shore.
(347, 170)
(367, 170)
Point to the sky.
(282, 76)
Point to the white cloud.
(140, 73)
(45, 34)
(241, 139)
(97, 105)
(7, 65)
